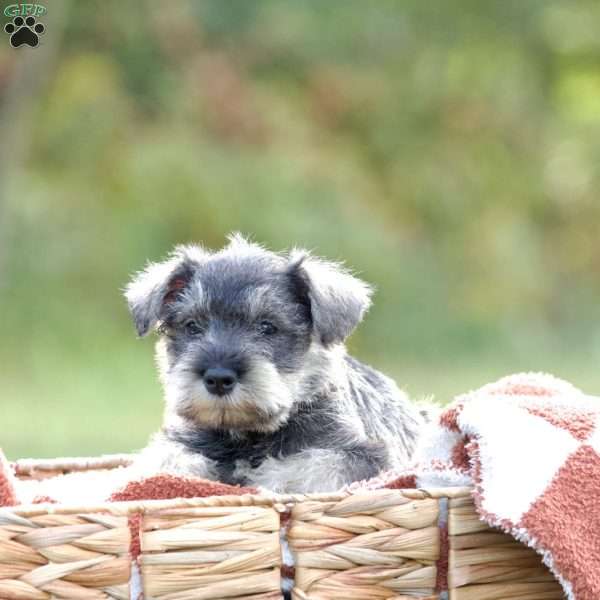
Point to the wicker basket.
(485, 564)
(380, 545)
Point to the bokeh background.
(448, 151)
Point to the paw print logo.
(24, 31)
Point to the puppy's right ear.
(336, 298)
(160, 283)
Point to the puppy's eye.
(193, 327)
(267, 328)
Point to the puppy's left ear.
(338, 300)
(160, 284)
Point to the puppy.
(259, 388)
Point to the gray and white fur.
(258, 386)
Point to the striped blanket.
(530, 445)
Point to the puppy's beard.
(261, 401)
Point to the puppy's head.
(244, 332)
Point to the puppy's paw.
(309, 471)
(165, 456)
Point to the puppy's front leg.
(317, 469)
(163, 455)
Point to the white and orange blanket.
(529, 444)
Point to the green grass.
(80, 406)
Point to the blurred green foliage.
(448, 152)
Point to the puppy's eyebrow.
(194, 297)
(256, 300)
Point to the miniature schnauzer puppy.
(259, 388)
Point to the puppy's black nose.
(219, 380)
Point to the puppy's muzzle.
(220, 380)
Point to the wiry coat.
(301, 414)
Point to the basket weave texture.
(78, 556)
(211, 552)
(376, 545)
(485, 564)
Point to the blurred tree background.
(448, 152)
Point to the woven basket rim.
(278, 501)
(27, 466)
